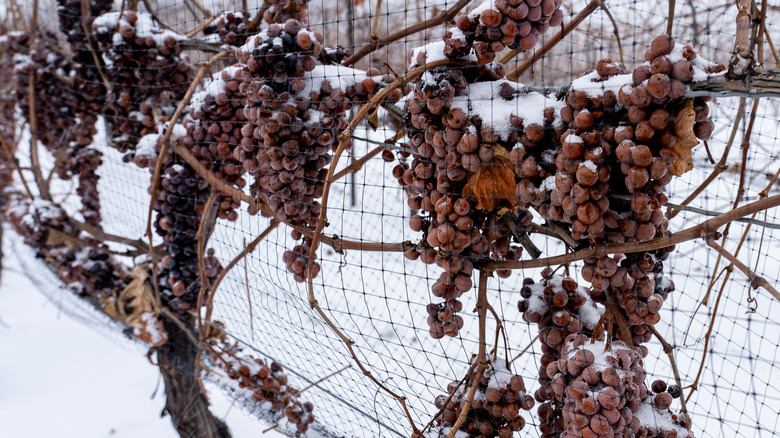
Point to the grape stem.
(197, 4)
(198, 27)
(522, 237)
(615, 27)
(43, 187)
(466, 405)
(525, 349)
(335, 373)
(375, 24)
(729, 269)
(151, 12)
(669, 350)
(14, 162)
(499, 329)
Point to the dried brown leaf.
(493, 184)
(686, 139)
(56, 237)
(135, 306)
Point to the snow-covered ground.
(63, 376)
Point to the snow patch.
(590, 165)
(145, 27)
(212, 87)
(480, 100)
(658, 420)
(339, 77)
(592, 84)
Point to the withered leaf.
(493, 184)
(135, 305)
(686, 139)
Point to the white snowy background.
(64, 373)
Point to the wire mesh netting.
(356, 191)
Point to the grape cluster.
(214, 132)
(664, 394)
(629, 132)
(560, 308)
(147, 72)
(495, 410)
(658, 405)
(282, 52)
(286, 142)
(583, 180)
(497, 24)
(447, 222)
(600, 389)
(180, 203)
(638, 283)
(625, 135)
(65, 124)
(49, 69)
(232, 27)
(291, 143)
(32, 220)
(294, 115)
(534, 158)
(86, 95)
(268, 382)
(609, 184)
(280, 11)
(666, 72)
(334, 55)
(590, 386)
(69, 15)
(434, 181)
(87, 81)
(463, 171)
(89, 272)
(83, 162)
